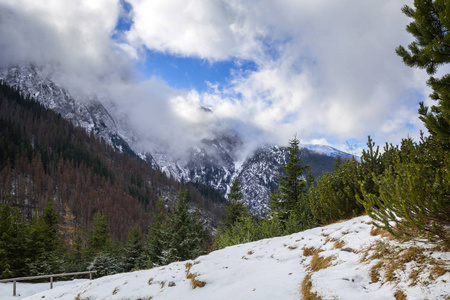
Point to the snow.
(267, 269)
(25, 289)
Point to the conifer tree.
(133, 251)
(13, 242)
(430, 50)
(187, 234)
(99, 238)
(157, 236)
(43, 231)
(289, 199)
(413, 198)
(176, 235)
(235, 209)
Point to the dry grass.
(339, 244)
(329, 239)
(116, 290)
(250, 252)
(308, 251)
(307, 294)
(292, 247)
(150, 281)
(374, 272)
(392, 260)
(399, 295)
(195, 283)
(319, 262)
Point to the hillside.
(44, 156)
(288, 268)
(213, 161)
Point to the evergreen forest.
(70, 202)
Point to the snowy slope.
(267, 269)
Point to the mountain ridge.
(214, 162)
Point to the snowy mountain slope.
(87, 113)
(271, 269)
(215, 162)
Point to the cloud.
(71, 38)
(325, 70)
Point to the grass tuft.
(339, 244)
(308, 251)
(319, 262)
(306, 288)
(399, 295)
(195, 283)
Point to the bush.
(335, 196)
(414, 193)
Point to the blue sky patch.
(190, 72)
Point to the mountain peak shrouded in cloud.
(326, 70)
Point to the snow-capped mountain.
(215, 162)
(87, 113)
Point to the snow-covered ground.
(267, 269)
(25, 289)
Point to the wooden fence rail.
(14, 280)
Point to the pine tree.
(430, 50)
(45, 243)
(99, 238)
(176, 235)
(132, 254)
(371, 164)
(235, 209)
(289, 199)
(413, 199)
(187, 234)
(13, 242)
(157, 236)
(43, 231)
(336, 195)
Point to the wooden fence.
(14, 280)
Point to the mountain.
(338, 261)
(215, 162)
(44, 156)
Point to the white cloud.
(325, 69)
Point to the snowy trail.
(266, 269)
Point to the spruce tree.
(176, 235)
(430, 50)
(289, 199)
(157, 236)
(14, 252)
(132, 254)
(99, 238)
(187, 234)
(235, 209)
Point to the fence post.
(51, 282)
(14, 288)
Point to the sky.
(323, 70)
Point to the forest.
(59, 185)
(69, 201)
